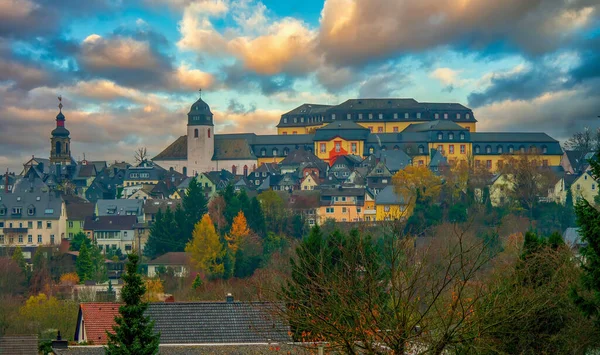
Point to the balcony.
(14, 230)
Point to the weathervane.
(60, 105)
(200, 91)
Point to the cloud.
(385, 82)
(22, 76)
(236, 77)
(355, 32)
(259, 121)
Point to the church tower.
(200, 139)
(60, 143)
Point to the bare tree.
(585, 141)
(141, 154)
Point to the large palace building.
(359, 127)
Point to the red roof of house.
(98, 318)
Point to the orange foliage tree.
(414, 181)
(206, 251)
(154, 289)
(69, 279)
(239, 231)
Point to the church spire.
(60, 150)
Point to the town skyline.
(128, 72)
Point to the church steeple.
(60, 143)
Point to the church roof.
(176, 151)
(60, 132)
(232, 149)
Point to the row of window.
(29, 224)
(370, 116)
(196, 133)
(344, 209)
(511, 149)
(109, 235)
(21, 240)
(17, 211)
(275, 151)
(139, 175)
(440, 136)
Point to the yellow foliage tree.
(41, 312)
(154, 288)
(239, 231)
(69, 279)
(206, 251)
(414, 181)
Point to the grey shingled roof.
(307, 109)
(46, 205)
(218, 322)
(227, 148)
(176, 151)
(388, 196)
(345, 129)
(516, 137)
(121, 207)
(437, 125)
(78, 211)
(109, 223)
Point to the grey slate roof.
(176, 151)
(227, 148)
(388, 196)
(511, 137)
(45, 205)
(218, 322)
(78, 211)
(109, 223)
(394, 159)
(119, 207)
(344, 129)
(437, 125)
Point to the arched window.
(209, 133)
(533, 150)
(499, 149)
(511, 149)
(488, 149)
(421, 149)
(450, 136)
(371, 150)
(286, 151)
(57, 148)
(196, 133)
(544, 149)
(275, 152)
(440, 136)
(522, 149)
(476, 149)
(184, 171)
(245, 170)
(234, 170)
(462, 136)
(383, 148)
(263, 152)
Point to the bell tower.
(60, 143)
(200, 139)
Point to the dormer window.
(440, 136)
(511, 149)
(302, 119)
(395, 116)
(421, 149)
(370, 116)
(2, 211)
(467, 116)
(437, 116)
(476, 149)
(17, 210)
(522, 149)
(488, 149)
(418, 115)
(286, 151)
(285, 120)
(458, 116)
(360, 116)
(499, 149)
(544, 149)
(348, 116)
(263, 152)
(381, 116)
(30, 211)
(462, 136)
(450, 136)
(371, 150)
(275, 151)
(333, 116)
(295, 119)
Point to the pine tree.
(588, 220)
(165, 235)
(197, 282)
(99, 266)
(84, 264)
(133, 332)
(205, 248)
(256, 218)
(79, 239)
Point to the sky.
(129, 70)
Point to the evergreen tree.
(164, 235)
(256, 218)
(79, 239)
(197, 282)
(84, 264)
(195, 206)
(99, 265)
(18, 258)
(588, 220)
(133, 332)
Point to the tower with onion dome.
(200, 139)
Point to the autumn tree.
(69, 279)
(417, 181)
(12, 277)
(216, 210)
(273, 208)
(133, 332)
(41, 312)
(154, 289)
(239, 230)
(205, 248)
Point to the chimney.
(229, 298)
(59, 343)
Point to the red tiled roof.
(99, 317)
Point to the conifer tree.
(164, 236)
(133, 332)
(84, 264)
(194, 205)
(588, 220)
(239, 230)
(18, 258)
(205, 248)
(256, 218)
(79, 239)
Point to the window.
(488, 164)
(52, 239)
(338, 147)
(381, 116)
(333, 116)
(511, 149)
(451, 149)
(353, 148)
(593, 186)
(39, 225)
(440, 148)
(295, 119)
(370, 116)
(20, 238)
(1, 239)
(499, 149)
(578, 187)
(30, 224)
(420, 162)
(476, 149)
(31, 211)
(70, 224)
(440, 136)
(467, 116)
(371, 150)
(544, 149)
(302, 119)
(294, 132)
(344, 210)
(445, 116)
(395, 116)
(406, 115)
(322, 147)
(418, 115)
(488, 149)
(477, 163)
(17, 210)
(39, 239)
(463, 149)
(450, 136)
(48, 225)
(284, 133)
(196, 133)
(2, 211)
(285, 120)
(275, 152)
(234, 170)
(208, 133)
(1, 224)
(348, 116)
(395, 129)
(437, 116)
(30, 239)
(379, 129)
(386, 208)
(329, 210)
(263, 152)
(458, 116)
(462, 136)
(360, 116)
(421, 149)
